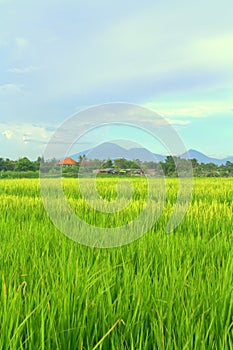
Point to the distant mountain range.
(113, 151)
(202, 158)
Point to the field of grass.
(163, 291)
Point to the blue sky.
(58, 57)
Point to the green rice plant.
(162, 291)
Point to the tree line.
(24, 167)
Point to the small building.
(128, 172)
(67, 162)
(103, 171)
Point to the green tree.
(107, 164)
(2, 164)
(24, 164)
(120, 163)
(131, 164)
(169, 166)
(229, 168)
(194, 163)
(9, 165)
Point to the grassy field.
(163, 291)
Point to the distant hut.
(67, 162)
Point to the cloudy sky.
(58, 57)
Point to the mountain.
(144, 154)
(107, 150)
(202, 158)
(113, 151)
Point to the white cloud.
(7, 133)
(10, 89)
(214, 50)
(196, 112)
(23, 139)
(28, 69)
(26, 140)
(178, 122)
(26, 133)
(193, 110)
(184, 112)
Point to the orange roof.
(67, 161)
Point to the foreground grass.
(163, 291)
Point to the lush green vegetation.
(163, 291)
(24, 168)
